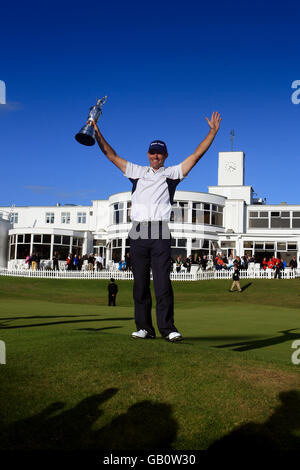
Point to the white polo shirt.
(152, 191)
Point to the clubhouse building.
(227, 219)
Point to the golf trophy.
(86, 135)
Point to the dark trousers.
(154, 254)
(111, 300)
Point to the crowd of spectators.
(222, 261)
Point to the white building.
(226, 219)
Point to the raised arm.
(189, 162)
(108, 150)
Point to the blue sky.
(164, 66)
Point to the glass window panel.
(264, 214)
(281, 246)
(65, 240)
(42, 250)
(12, 252)
(292, 246)
(37, 238)
(206, 217)
(285, 214)
(57, 239)
(296, 223)
(259, 246)
(269, 246)
(275, 214)
(258, 223)
(277, 222)
(248, 244)
(195, 243)
(205, 244)
(207, 207)
(253, 214)
(27, 238)
(23, 250)
(46, 238)
(296, 214)
(196, 205)
(181, 242)
(20, 238)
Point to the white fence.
(194, 275)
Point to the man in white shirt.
(99, 263)
(153, 189)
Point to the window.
(179, 212)
(81, 217)
(296, 220)
(197, 213)
(117, 216)
(281, 246)
(49, 217)
(248, 244)
(65, 217)
(14, 218)
(280, 219)
(128, 211)
(258, 219)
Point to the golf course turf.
(75, 379)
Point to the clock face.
(230, 167)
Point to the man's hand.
(214, 122)
(190, 162)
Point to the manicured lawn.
(74, 379)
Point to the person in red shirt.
(264, 263)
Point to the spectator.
(28, 261)
(55, 259)
(293, 263)
(122, 265)
(69, 262)
(91, 262)
(128, 262)
(75, 262)
(99, 263)
(178, 264)
(188, 264)
(271, 263)
(33, 262)
(264, 263)
(283, 263)
(204, 262)
(278, 267)
(80, 263)
(112, 293)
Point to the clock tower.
(231, 169)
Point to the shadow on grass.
(275, 434)
(263, 343)
(246, 286)
(99, 329)
(146, 425)
(2, 327)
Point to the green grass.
(74, 379)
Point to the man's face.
(156, 159)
